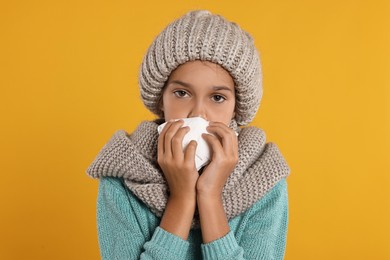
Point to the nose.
(198, 109)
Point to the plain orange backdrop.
(69, 81)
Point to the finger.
(215, 144)
(227, 136)
(221, 128)
(170, 133)
(190, 152)
(177, 142)
(228, 139)
(161, 138)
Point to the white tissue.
(197, 126)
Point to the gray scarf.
(134, 158)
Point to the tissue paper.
(197, 126)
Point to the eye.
(218, 98)
(180, 93)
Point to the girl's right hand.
(177, 165)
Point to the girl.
(152, 201)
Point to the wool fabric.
(134, 158)
(201, 35)
(127, 229)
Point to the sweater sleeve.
(121, 233)
(264, 234)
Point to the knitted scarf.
(133, 157)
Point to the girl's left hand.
(224, 149)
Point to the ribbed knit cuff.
(172, 243)
(220, 248)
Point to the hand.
(224, 148)
(177, 165)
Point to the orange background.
(69, 80)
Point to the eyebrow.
(188, 85)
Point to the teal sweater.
(127, 229)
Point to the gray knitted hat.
(200, 35)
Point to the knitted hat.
(200, 35)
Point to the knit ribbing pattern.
(134, 157)
(200, 35)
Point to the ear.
(160, 104)
(161, 107)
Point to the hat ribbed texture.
(200, 35)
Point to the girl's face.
(199, 88)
